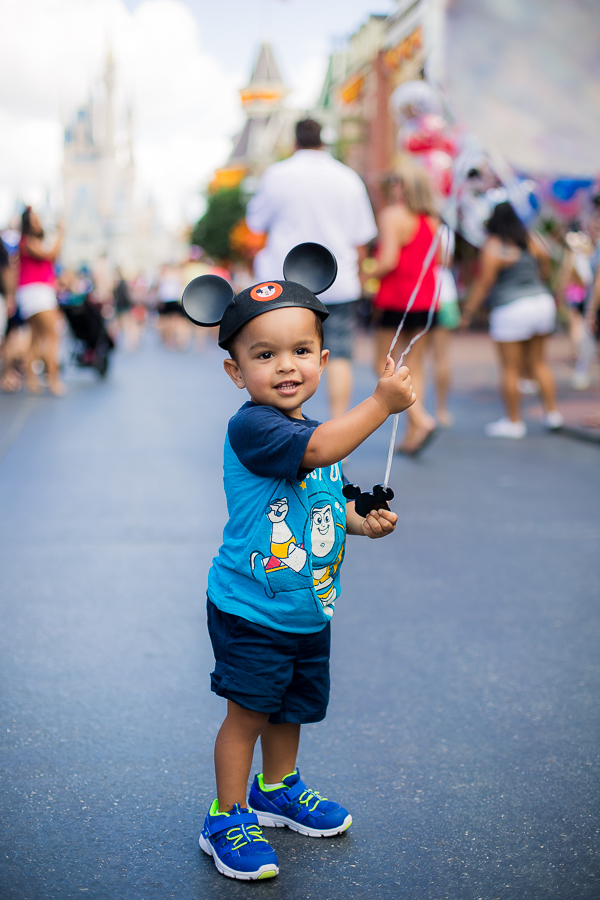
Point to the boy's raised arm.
(334, 440)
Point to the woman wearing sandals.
(36, 298)
(522, 316)
(407, 226)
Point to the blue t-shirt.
(279, 564)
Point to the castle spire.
(266, 89)
(267, 133)
(265, 68)
(109, 84)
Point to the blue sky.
(298, 29)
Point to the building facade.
(354, 102)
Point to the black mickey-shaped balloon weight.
(308, 269)
(365, 501)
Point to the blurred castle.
(101, 220)
(268, 134)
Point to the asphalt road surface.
(463, 727)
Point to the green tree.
(225, 208)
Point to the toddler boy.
(272, 588)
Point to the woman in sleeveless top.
(523, 314)
(406, 229)
(36, 298)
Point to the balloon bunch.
(467, 182)
(425, 134)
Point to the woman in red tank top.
(36, 298)
(407, 227)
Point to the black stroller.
(93, 343)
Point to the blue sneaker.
(293, 804)
(235, 842)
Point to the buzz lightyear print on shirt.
(310, 557)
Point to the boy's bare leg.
(234, 747)
(279, 745)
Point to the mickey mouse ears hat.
(308, 269)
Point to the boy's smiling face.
(279, 359)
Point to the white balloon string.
(390, 456)
(432, 308)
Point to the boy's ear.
(206, 298)
(234, 372)
(311, 265)
(324, 358)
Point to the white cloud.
(308, 77)
(185, 106)
(308, 85)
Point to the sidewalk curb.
(580, 434)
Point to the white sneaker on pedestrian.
(504, 428)
(580, 381)
(554, 420)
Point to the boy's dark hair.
(505, 224)
(308, 134)
(230, 346)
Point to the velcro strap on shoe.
(295, 790)
(222, 823)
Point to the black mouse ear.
(205, 299)
(381, 492)
(311, 265)
(351, 491)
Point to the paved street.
(463, 731)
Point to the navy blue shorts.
(275, 672)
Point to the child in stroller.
(93, 343)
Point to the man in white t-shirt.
(313, 197)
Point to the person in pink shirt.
(36, 298)
(407, 228)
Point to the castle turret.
(267, 134)
(266, 89)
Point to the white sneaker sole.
(270, 820)
(268, 871)
(507, 435)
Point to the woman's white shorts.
(35, 298)
(523, 319)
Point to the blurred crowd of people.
(529, 281)
(45, 305)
